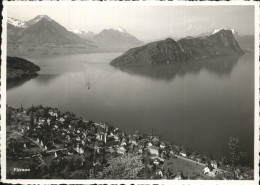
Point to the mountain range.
(43, 36)
(219, 43)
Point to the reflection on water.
(45, 79)
(41, 79)
(17, 83)
(219, 66)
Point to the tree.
(123, 167)
(235, 155)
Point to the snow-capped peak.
(217, 30)
(16, 22)
(39, 17)
(122, 30)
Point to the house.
(123, 143)
(49, 121)
(162, 145)
(153, 150)
(198, 159)
(116, 137)
(102, 136)
(140, 151)
(183, 154)
(61, 119)
(192, 157)
(156, 162)
(121, 150)
(133, 141)
(79, 150)
(214, 164)
(179, 176)
(159, 172)
(51, 112)
(149, 144)
(208, 168)
(56, 113)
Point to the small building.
(116, 137)
(162, 145)
(153, 150)
(102, 136)
(179, 176)
(133, 141)
(61, 119)
(156, 162)
(214, 164)
(51, 112)
(192, 157)
(121, 150)
(208, 168)
(159, 172)
(55, 113)
(198, 159)
(149, 144)
(183, 154)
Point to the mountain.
(37, 19)
(48, 31)
(25, 24)
(44, 36)
(168, 51)
(83, 34)
(116, 39)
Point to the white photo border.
(127, 3)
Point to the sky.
(144, 22)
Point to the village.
(43, 142)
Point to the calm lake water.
(196, 104)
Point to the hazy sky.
(144, 22)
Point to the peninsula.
(19, 69)
(221, 43)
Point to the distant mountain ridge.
(49, 31)
(16, 23)
(168, 51)
(111, 39)
(83, 33)
(43, 29)
(43, 36)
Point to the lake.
(197, 104)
